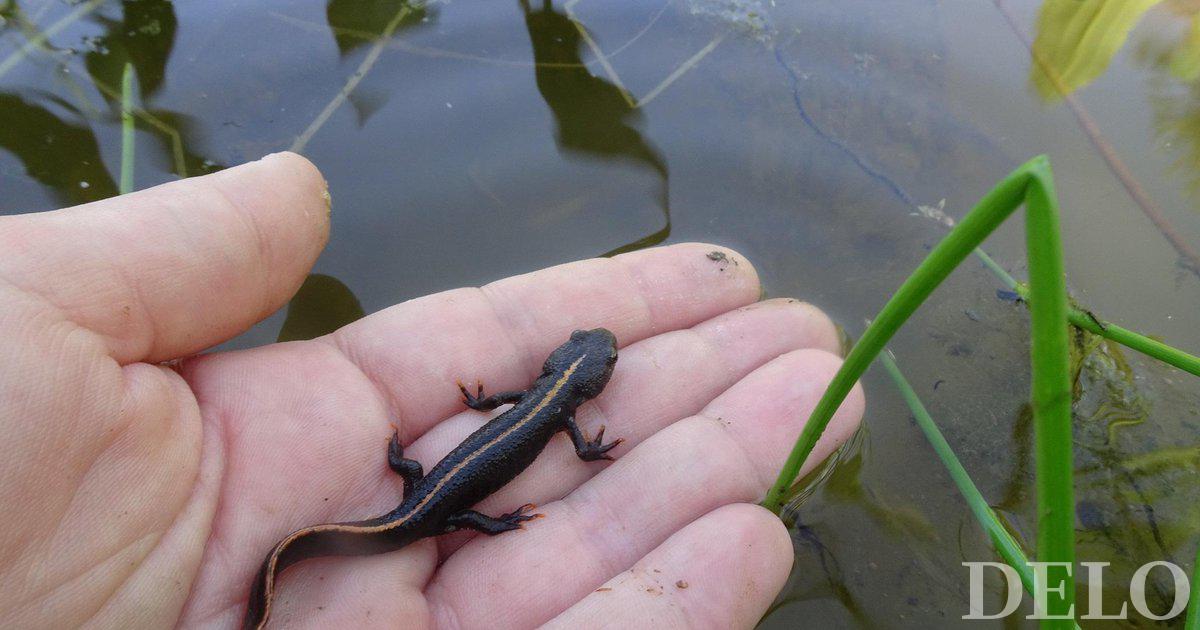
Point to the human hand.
(144, 495)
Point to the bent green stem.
(1031, 184)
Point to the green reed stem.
(940, 262)
(1193, 613)
(1090, 322)
(1051, 391)
(1002, 540)
(127, 130)
(1147, 346)
(1032, 183)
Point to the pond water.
(469, 140)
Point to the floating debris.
(749, 16)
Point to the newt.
(440, 502)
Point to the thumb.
(173, 269)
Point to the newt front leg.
(590, 450)
(479, 403)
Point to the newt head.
(593, 353)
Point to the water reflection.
(1064, 47)
(60, 152)
(354, 22)
(175, 134)
(1184, 59)
(806, 586)
(322, 305)
(592, 115)
(1175, 98)
(144, 37)
(1076, 41)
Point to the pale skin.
(140, 493)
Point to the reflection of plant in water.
(143, 37)
(905, 522)
(1015, 494)
(58, 152)
(354, 22)
(174, 133)
(35, 38)
(1176, 111)
(1076, 41)
(365, 105)
(1175, 92)
(592, 115)
(1189, 258)
(1185, 60)
(322, 305)
(13, 17)
(806, 540)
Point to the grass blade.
(1193, 614)
(1002, 541)
(127, 130)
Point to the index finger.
(501, 333)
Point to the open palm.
(139, 493)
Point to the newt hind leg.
(479, 402)
(470, 519)
(409, 469)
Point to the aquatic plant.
(1031, 185)
(127, 130)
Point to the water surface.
(491, 138)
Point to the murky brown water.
(803, 134)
